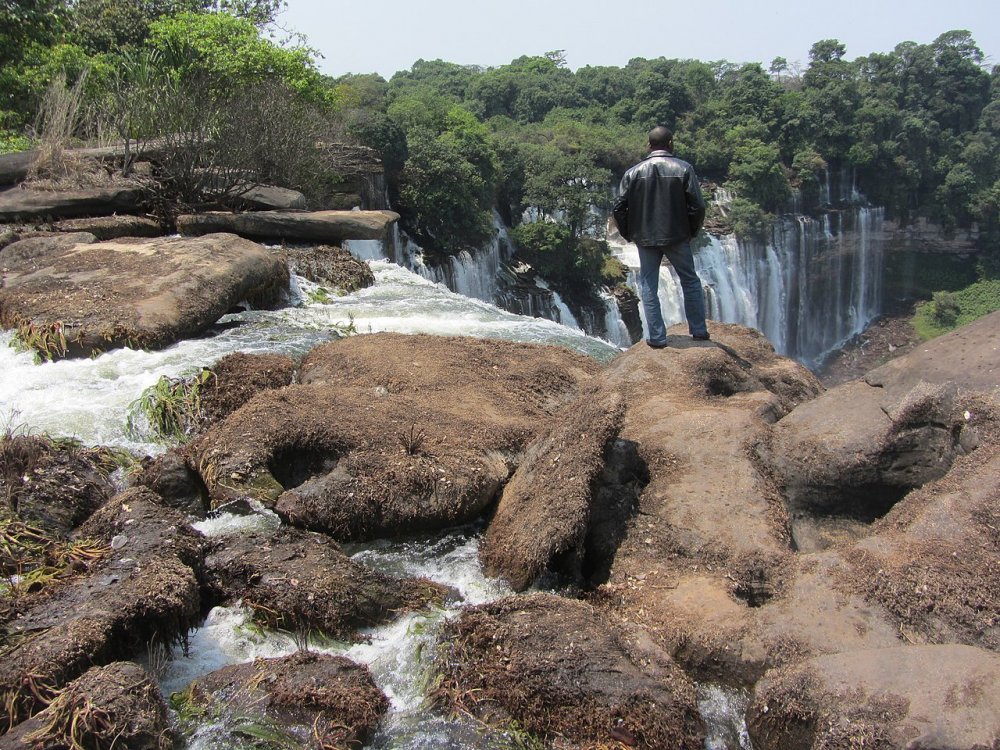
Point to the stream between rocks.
(91, 400)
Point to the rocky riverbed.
(706, 514)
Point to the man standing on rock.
(660, 208)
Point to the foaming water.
(90, 399)
(724, 711)
(399, 655)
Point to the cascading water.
(817, 283)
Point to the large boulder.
(892, 698)
(934, 560)
(860, 447)
(558, 668)
(140, 587)
(301, 582)
(302, 700)
(327, 227)
(388, 433)
(20, 204)
(116, 706)
(68, 298)
(708, 542)
(545, 511)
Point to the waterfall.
(815, 284)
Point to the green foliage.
(570, 262)
(11, 142)
(748, 220)
(442, 195)
(170, 408)
(950, 310)
(231, 51)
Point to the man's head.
(661, 139)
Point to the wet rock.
(140, 588)
(330, 227)
(881, 698)
(559, 669)
(112, 227)
(53, 486)
(302, 582)
(545, 512)
(171, 476)
(330, 266)
(71, 299)
(388, 433)
(19, 204)
(116, 706)
(860, 447)
(306, 699)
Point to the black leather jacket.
(659, 202)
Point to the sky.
(383, 37)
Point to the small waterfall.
(563, 314)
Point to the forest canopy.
(915, 130)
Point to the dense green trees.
(916, 129)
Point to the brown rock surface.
(311, 700)
(858, 448)
(52, 486)
(390, 433)
(545, 510)
(905, 697)
(72, 299)
(118, 706)
(329, 227)
(330, 266)
(112, 227)
(561, 670)
(933, 561)
(19, 204)
(301, 582)
(140, 587)
(709, 539)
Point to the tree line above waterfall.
(914, 130)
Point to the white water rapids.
(90, 400)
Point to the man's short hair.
(660, 137)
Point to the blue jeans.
(682, 259)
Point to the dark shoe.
(701, 337)
(656, 346)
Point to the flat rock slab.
(18, 204)
(112, 227)
(331, 227)
(71, 298)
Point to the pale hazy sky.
(356, 36)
